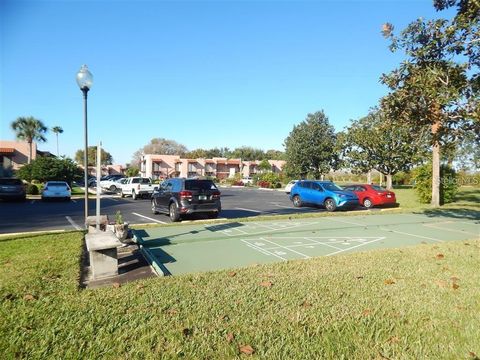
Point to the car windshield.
(199, 185)
(331, 187)
(56, 183)
(10, 182)
(378, 188)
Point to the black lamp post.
(85, 82)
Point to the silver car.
(56, 190)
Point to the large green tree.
(50, 168)
(29, 129)
(375, 142)
(310, 147)
(438, 84)
(57, 130)
(248, 153)
(106, 159)
(159, 146)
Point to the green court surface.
(204, 247)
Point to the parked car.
(322, 193)
(113, 184)
(372, 195)
(136, 187)
(289, 186)
(12, 189)
(56, 190)
(248, 180)
(179, 196)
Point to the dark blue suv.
(322, 193)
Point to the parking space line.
(250, 210)
(149, 218)
(73, 223)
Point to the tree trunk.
(389, 182)
(29, 152)
(369, 177)
(380, 182)
(436, 175)
(435, 163)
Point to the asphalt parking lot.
(35, 215)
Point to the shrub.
(238, 183)
(32, 189)
(264, 184)
(402, 178)
(422, 177)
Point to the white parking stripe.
(148, 218)
(250, 210)
(73, 223)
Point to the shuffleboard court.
(206, 247)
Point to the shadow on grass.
(468, 214)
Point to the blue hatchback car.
(322, 193)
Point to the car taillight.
(186, 194)
(216, 195)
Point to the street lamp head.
(84, 78)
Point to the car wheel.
(113, 188)
(368, 203)
(330, 205)
(134, 196)
(213, 215)
(154, 209)
(297, 202)
(173, 212)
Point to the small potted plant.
(121, 227)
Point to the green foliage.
(376, 142)
(402, 178)
(247, 153)
(32, 189)
(159, 146)
(310, 147)
(265, 166)
(47, 168)
(422, 177)
(132, 171)
(29, 129)
(106, 157)
(118, 217)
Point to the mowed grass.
(410, 303)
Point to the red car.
(372, 195)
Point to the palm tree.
(29, 129)
(57, 130)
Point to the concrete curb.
(159, 269)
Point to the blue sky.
(205, 74)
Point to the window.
(199, 185)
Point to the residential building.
(167, 166)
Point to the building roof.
(6, 150)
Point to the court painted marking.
(263, 251)
(252, 226)
(148, 218)
(347, 222)
(325, 244)
(73, 223)
(404, 233)
(432, 225)
(286, 248)
(356, 246)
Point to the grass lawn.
(410, 303)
